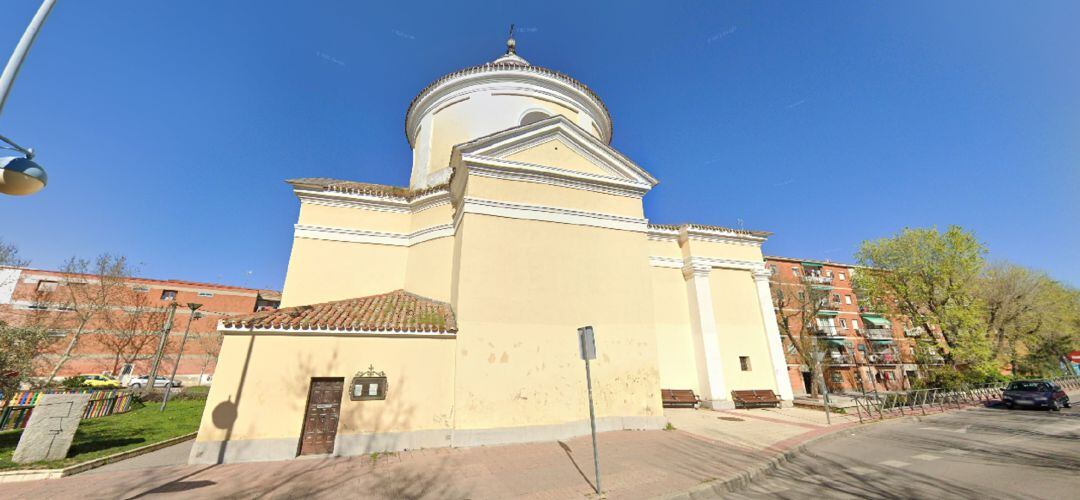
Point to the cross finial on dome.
(511, 44)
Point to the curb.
(36, 474)
(744, 478)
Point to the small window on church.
(744, 363)
(533, 117)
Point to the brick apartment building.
(122, 331)
(864, 350)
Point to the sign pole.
(587, 342)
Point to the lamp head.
(21, 176)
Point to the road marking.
(957, 451)
(861, 471)
(926, 456)
(894, 463)
(961, 430)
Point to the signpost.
(587, 345)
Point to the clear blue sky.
(167, 128)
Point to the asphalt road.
(979, 453)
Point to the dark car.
(1035, 394)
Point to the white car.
(139, 382)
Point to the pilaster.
(772, 334)
(714, 392)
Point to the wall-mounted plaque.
(367, 386)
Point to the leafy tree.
(932, 278)
(19, 346)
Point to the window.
(828, 273)
(744, 363)
(57, 333)
(772, 269)
(141, 288)
(795, 271)
(842, 277)
(44, 286)
(855, 324)
(836, 298)
(168, 295)
(847, 299)
(843, 323)
(533, 117)
(205, 294)
(802, 295)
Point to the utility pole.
(150, 379)
(168, 389)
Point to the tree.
(1041, 352)
(19, 347)
(1015, 308)
(211, 346)
(86, 292)
(797, 305)
(133, 330)
(932, 278)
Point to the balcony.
(914, 332)
(818, 280)
(828, 331)
(829, 305)
(879, 333)
(886, 357)
(836, 358)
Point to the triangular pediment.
(554, 148)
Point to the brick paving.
(634, 464)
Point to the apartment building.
(124, 320)
(864, 350)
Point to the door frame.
(307, 404)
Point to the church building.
(445, 313)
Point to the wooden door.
(321, 416)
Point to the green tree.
(932, 278)
(19, 347)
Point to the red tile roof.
(397, 311)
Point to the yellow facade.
(536, 230)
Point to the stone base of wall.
(258, 450)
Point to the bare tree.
(797, 304)
(86, 291)
(131, 330)
(19, 347)
(211, 346)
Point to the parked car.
(1035, 394)
(140, 382)
(100, 381)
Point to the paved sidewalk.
(706, 446)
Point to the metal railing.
(823, 280)
(877, 406)
(879, 333)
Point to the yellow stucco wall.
(740, 330)
(554, 196)
(555, 153)
(711, 249)
(523, 289)
(675, 343)
(321, 271)
(353, 218)
(276, 376)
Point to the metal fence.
(17, 412)
(877, 406)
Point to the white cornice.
(551, 214)
(373, 237)
(690, 232)
(372, 202)
(704, 264)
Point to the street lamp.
(194, 316)
(21, 176)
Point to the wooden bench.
(755, 399)
(679, 398)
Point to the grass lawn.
(102, 436)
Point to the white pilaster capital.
(761, 274)
(696, 270)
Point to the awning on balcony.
(882, 341)
(839, 343)
(828, 313)
(810, 264)
(877, 321)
